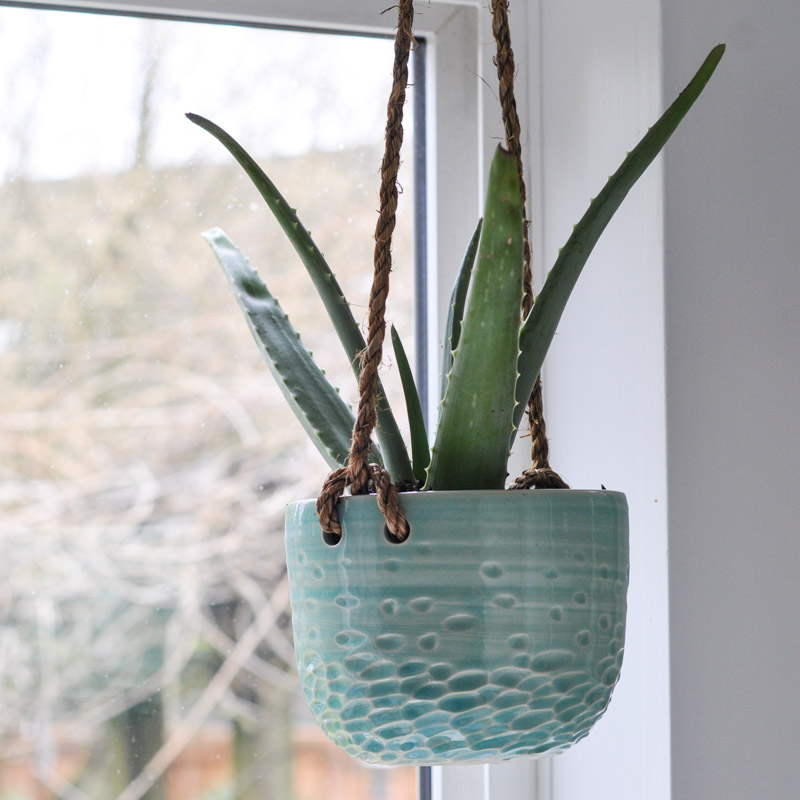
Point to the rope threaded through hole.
(359, 474)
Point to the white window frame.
(575, 134)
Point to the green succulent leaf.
(458, 298)
(420, 452)
(472, 440)
(319, 407)
(540, 326)
(394, 449)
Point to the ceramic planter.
(495, 631)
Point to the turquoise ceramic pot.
(495, 631)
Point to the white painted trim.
(605, 375)
(454, 110)
(351, 15)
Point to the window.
(458, 52)
(149, 457)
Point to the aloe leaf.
(420, 452)
(472, 441)
(394, 449)
(458, 297)
(319, 407)
(540, 326)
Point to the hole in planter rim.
(332, 539)
(392, 539)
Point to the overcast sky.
(72, 84)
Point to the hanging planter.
(437, 617)
(495, 630)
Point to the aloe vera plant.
(491, 356)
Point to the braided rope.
(540, 475)
(506, 70)
(359, 474)
(388, 502)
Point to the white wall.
(675, 376)
(733, 397)
(604, 378)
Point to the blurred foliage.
(148, 458)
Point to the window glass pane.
(147, 457)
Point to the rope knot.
(539, 478)
(379, 483)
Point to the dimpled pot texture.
(495, 631)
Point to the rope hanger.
(359, 474)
